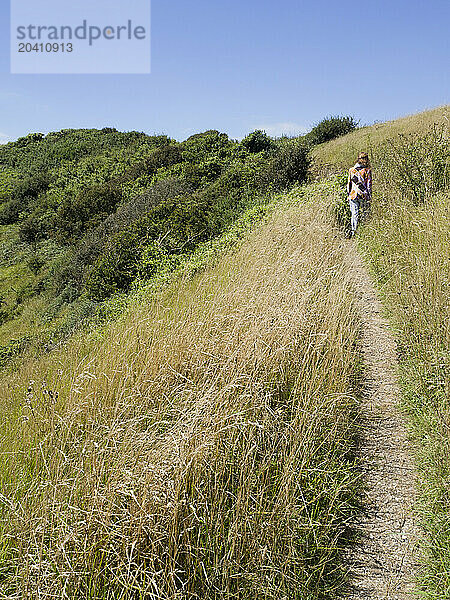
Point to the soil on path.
(384, 560)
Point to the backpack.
(360, 183)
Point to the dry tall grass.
(406, 244)
(341, 153)
(408, 248)
(202, 446)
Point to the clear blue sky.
(237, 65)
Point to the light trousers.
(354, 209)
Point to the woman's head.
(363, 159)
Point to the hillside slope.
(406, 247)
(86, 215)
(342, 152)
(205, 444)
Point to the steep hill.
(342, 151)
(207, 442)
(87, 214)
(406, 247)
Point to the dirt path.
(384, 561)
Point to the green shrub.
(257, 141)
(10, 211)
(32, 230)
(35, 263)
(201, 146)
(164, 156)
(417, 166)
(36, 152)
(24, 192)
(88, 209)
(31, 138)
(8, 180)
(117, 268)
(288, 165)
(154, 260)
(101, 209)
(72, 267)
(175, 225)
(330, 128)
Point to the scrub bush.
(330, 128)
(288, 165)
(257, 141)
(88, 209)
(417, 166)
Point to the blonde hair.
(363, 158)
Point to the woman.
(359, 189)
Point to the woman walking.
(359, 189)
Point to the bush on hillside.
(10, 211)
(87, 210)
(36, 152)
(330, 128)
(24, 192)
(72, 268)
(288, 165)
(418, 166)
(117, 268)
(32, 230)
(257, 141)
(206, 156)
(8, 180)
(163, 156)
(132, 210)
(114, 207)
(178, 226)
(31, 138)
(31, 186)
(201, 146)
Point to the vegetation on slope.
(201, 446)
(85, 213)
(406, 244)
(342, 152)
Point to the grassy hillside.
(342, 151)
(406, 244)
(168, 449)
(85, 214)
(202, 445)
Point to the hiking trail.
(383, 562)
